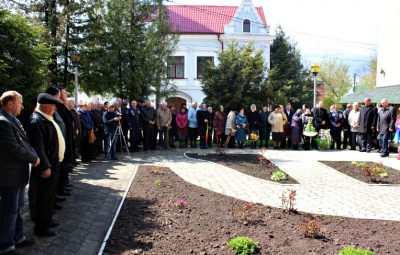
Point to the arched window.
(246, 26)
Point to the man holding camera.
(111, 120)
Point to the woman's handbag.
(92, 136)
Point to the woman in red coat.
(219, 126)
(182, 124)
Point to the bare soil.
(363, 174)
(249, 164)
(150, 223)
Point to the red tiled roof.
(203, 18)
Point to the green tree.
(23, 55)
(127, 54)
(368, 75)
(337, 81)
(288, 80)
(238, 80)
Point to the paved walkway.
(99, 188)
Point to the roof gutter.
(222, 43)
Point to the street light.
(315, 69)
(76, 63)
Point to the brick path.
(99, 188)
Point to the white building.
(388, 66)
(204, 32)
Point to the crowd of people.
(43, 146)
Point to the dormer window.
(246, 26)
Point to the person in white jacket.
(354, 125)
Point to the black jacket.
(254, 120)
(148, 114)
(110, 125)
(320, 114)
(43, 137)
(367, 119)
(15, 153)
(386, 120)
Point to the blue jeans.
(113, 152)
(385, 143)
(11, 224)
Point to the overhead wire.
(263, 25)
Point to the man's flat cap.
(45, 98)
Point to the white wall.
(388, 68)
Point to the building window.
(246, 26)
(176, 67)
(201, 62)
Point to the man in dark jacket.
(336, 120)
(111, 120)
(47, 140)
(386, 121)
(15, 156)
(149, 118)
(320, 120)
(367, 122)
(134, 125)
(289, 112)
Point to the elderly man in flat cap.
(15, 156)
(47, 140)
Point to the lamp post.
(315, 69)
(76, 63)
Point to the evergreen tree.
(288, 79)
(238, 79)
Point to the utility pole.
(354, 86)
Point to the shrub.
(289, 200)
(349, 250)
(242, 245)
(278, 176)
(310, 229)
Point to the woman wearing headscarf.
(265, 127)
(254, 122)
(241, 125)
(203, 117)
(296, 129)
(229, 127)
(219, 126)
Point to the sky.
(343, 29)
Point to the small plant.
(349, 250)
(288, 201)
(244, 210)
(202, 153)
(278, 176)
(180, 203)
(310, 229)
(242, 245)
(158, 182)
(220, 150)
(374, 171)
(358, 164)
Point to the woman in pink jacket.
(182, 124)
